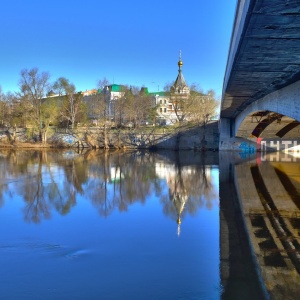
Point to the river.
(132, 225)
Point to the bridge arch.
(275, 115)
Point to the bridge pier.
(228, 140)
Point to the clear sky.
(128, 42)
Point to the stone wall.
(195, 137)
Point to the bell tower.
(180, 86)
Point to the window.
(165, 110)
(160, 110)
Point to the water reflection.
(77, 241)
(50, 181)
(249, 245)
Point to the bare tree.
(102, 83)
(33, 87)
(196, 106)
(12, 110)
(102, 109)
(144, 107)
(168, 86)
(98, 109)
(62, 86)
(135, 106)
(181, 104)
(129, 103)
(72, 104)
(203, 106)
(2, 107)
(50, 113)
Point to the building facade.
(113, 93)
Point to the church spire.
(180, 63)
(180, 85)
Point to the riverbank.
(183, 138)
(25, 145)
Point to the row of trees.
(132, 106)
(31, 107)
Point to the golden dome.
(180, 63)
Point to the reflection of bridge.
(268, 193)
(261, 96)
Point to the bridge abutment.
(228, 140)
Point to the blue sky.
(128, 42)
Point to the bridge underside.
(267, 124)
(264, 53)
(261, 90)
(276, 115)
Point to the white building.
(112, 93)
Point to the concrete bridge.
(260, 107)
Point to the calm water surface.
(101, 225)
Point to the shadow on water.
(239, 275)
(267, 194)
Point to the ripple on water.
(56, 250)
(77, 254)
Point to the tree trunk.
(177, 145)
(44, 136)
(106, 146)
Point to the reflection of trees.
(121, 180)
(35, 198)
(97, 187)
(47, 181)
(3, 185)
(12, 165)
(3, 188)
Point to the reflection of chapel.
(179, 198)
